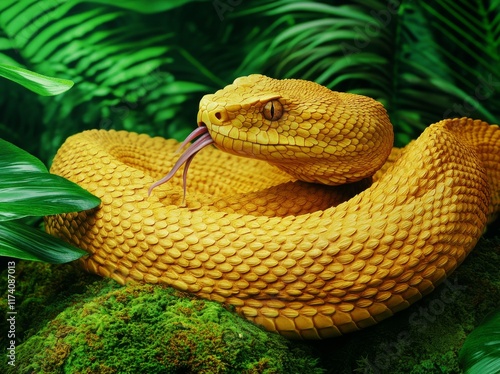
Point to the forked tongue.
(203, 140)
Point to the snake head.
(314, 134)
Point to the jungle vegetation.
(143, 66)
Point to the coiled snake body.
(305, 259)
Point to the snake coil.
(307, 260)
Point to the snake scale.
(308, 260)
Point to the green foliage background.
(143, 66)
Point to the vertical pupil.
(272, 110)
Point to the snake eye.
(273, 110)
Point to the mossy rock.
(155, 329)
(70, 321)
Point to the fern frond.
(122, 66)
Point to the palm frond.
(470, 32)
(122, 66)
(143, 66)
(398, 56)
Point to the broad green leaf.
(40, 84)
(28, 243)
(14, 159)
(40, 194)
(481, 350)
(27, 189)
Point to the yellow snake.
(307, 260)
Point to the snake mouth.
(203, 140)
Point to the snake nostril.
(216, 116)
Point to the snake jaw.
(185, 159)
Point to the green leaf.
(22, 241)
(481, 350)
(40, 84)
(152, 6)
(27, 189)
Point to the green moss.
(73, 322)
(42, 291)
(155, 329)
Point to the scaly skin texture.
(305, 260)
(322, 136)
